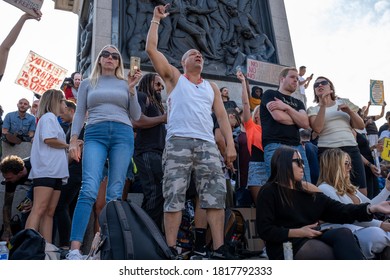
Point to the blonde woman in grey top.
(111, 102)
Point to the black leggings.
(334, 244)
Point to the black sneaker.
(223, 253)
(200, 254)
(175, 254)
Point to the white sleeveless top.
(189, 110)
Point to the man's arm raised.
(167, 72)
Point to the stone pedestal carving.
(227, 32)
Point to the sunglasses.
(348, 163)
(106, 54)
(160, 85)
(322, 83)
(299, 162)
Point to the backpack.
(27, 244)
(234, 232)
(128, 233)
(186, 235)
(235, 229)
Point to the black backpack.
(235, 229)
(128, 233)
(27, 244)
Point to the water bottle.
(288, 251)
(4, 252)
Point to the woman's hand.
(388, 182)
(75, 148)
(383, 207)
(345, 109)
(133, 80)
(309, 231)
(376, 171)
(385, 226)
(325, 99)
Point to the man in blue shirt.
(19, 126)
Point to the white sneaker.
(74, 255)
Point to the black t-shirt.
(230, 104)
(11, 187)
(273, 131)
(149, 139)
(364, 147)
(383, 128)
(371, 128)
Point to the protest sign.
(27, 6)
(39, 74)
(385, 155)
(377, 93)
(264, 72)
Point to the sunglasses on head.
(299, 162)
(106, 54)
(322, 83)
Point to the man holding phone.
(190, 143)
(300, 93)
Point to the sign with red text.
(39, 74)
(27, 6)
(377, 92)
(264, 72)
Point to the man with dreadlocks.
(149, 144)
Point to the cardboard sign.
(385, 155)
(377, 92)
(264, 72)
(27, 6)
(39, 74)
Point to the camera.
(68, 82)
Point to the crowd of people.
(313, 174)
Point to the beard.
(157, 96)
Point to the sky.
(345, 40)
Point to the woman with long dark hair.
(289, 209)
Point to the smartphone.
(311, 76)
(135, 64)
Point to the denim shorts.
(257, 175)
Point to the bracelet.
(155, 21)
(369, 164)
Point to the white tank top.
(189, 110)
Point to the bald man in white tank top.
(190, 144)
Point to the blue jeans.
(103, 140)
(271, 148)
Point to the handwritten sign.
(385, 155)
(39, 74)
(264, 72)
(377, 93)
(27, 6)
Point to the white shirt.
(189, 110)
(45, 160)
